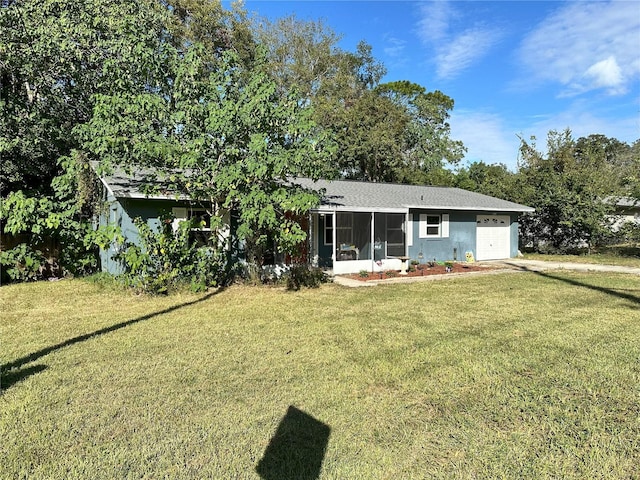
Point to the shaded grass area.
(517, 375)
(624, 255)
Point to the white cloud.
(395, 48)
(433, 25)
(486, 137)
(586, 46)
(454, 52)
(606, 73)
(582, 122)
(492, 138)
(463, 51)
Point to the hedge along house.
(375, 226)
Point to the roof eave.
(496, 208)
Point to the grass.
(628, 256)
(515, 375)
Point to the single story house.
(372, 226)
(358, 225)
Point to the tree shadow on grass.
(12, 377)
(9, 378)
(296, 450)
(620, 293)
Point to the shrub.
(165, 260)
(301, 275)
(22, 263)
(363, 273)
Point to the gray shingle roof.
(344, 195)
(349, 195)
(123, 185)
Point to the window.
(328, 229)
(200, 235)
(434, 226)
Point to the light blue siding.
(461, 239)
(121, 212)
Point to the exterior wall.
(121, 213)
(462, 237)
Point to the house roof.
(367, 196)
(344, 195)
(123, 185)
(628, 202)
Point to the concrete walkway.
(499, 266)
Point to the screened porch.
(357, 241)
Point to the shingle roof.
(348, 195)
(123, 185)
(344, 195)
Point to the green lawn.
(628, 256)
(514, 375)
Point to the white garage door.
(493, 237)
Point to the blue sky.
(513, 68)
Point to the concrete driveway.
(539, 266)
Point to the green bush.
(22, 263)
(165, 260)
(56, 231)
(301, 275)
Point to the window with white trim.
(434, 225)
(200, 234)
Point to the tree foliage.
(54, 56)
(569, 187)
(222, 136)
(394, 132)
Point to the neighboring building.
(627, 211)
(358, 225)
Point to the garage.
(493, 237)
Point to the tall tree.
(54, 56)
(394, 132)
(568, 186)
(427, 148)
(226, 138)
(495, 180)
(620, 159)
